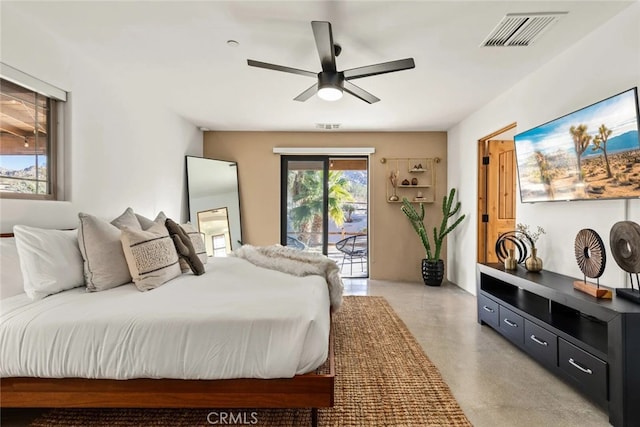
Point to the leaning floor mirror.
(214, 203)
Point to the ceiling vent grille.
(521, 29)
(327, 126)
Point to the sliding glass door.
(304, 196)
(325, 210)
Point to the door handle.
(490, 310)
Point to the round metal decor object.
(624, 240)
(590, 253)
(518, 241)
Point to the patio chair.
(294, 243)
(353, 248)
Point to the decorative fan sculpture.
(592, 259)
(518, 240)
(590, 253)
(624, 240)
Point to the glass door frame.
(284, 180)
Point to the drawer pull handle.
(539, 341)
(490, 310)
(510, 323)
(577, 365)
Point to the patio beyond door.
(325, 209)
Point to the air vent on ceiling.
(521, 29)
(327, 126)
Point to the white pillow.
(50, 260)
(11, 280)
(146, 223)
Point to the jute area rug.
(383, 378)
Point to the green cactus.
(417, 222)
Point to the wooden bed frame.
(312, 390)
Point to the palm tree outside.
(306, 188)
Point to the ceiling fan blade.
(307, 93)
(359, 93)
(324, 44)
(275, 67)
(383, 68)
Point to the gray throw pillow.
(105, 266)
(184, 247)
(196, 240)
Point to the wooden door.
(500, 187)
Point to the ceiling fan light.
(330, 93)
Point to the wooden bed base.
(313, 390)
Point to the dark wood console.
(593, 344)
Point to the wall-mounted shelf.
(411, 169)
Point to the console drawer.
(511, 325)
(589, 372)
(541, 344)
(488, 310)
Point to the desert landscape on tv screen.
(593, 153)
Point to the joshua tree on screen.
(581, 140)
(546, 171)
(600, 143)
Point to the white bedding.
(235, 321)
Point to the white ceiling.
(178, 51)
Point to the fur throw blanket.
(297, 263)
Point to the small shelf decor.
(417, 168)
(393, 178)
(532, 263)
(410, 174)
(514, 240)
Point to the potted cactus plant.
(432, 265)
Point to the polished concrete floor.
(495, 383)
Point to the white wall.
(602, 64)
(124, 147)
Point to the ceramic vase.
(533, 263)
(510, 262)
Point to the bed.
(196, 341)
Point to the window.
(219, 243)
(28, 134)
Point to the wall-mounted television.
(592, 153)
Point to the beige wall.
(396, 251)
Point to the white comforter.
(235, 321)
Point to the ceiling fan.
(330, 82)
